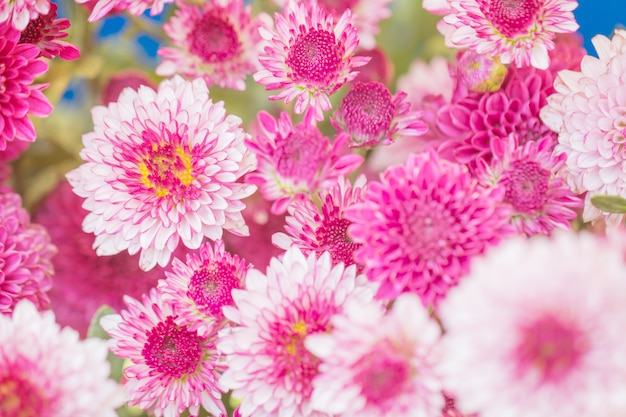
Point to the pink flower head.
(588, 110)
(17, 13)
(19, 97)
(295, 162)
(379, 68)
(324, 229)
(173, 367)
(101, 8)
(376, 364)
(568, 52)
(268, 366)
(48, 371)
(516, 31)
(25, 256)
(535, 330)
(201, 286)
(45, 32)
(370, 115)
(422, 223)
(218, 41)
(309, 57)
(116, 83)
(540, 199)
(162, 167)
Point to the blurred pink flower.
(101, 8)
(17, 13)
(379, 68)
(116, 83)
(45, 32)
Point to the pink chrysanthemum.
(588, 111)
(17, 13)
(101, 8)
(370, 115)
(116, 83)
(173, 367)
(19, 97)
(421, 225)
(520, 31)
(46, 371)
(296, 161)
(25, 256)
(45, 32)
(376, 364)
(536, 330)
(162, 167)
(540, 199)
(201, 286)
(268, 365)
(218, 41)
(309, 57)
(324, 229)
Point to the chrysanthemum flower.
(173, 367)
(45, 32)
(199, 287)
(376, 364)
(296, 161)
(309, 57)
(46, 371)
(520, 32)
(324, 229)
(588, 111)
(268, 365)
(117, 82)
(100, 8)
(25, 256)
(540, 198)
(19, 97)
(162, 167)
(17, 13)
(535, 330)
(422, 223)
(370, 115)
(218, 41)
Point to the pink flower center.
(299, 155)
(315, 57)
(19, 397)
(511, 17)
(172, 350)
(526, 184)
(214, 39)
(210, 287)
(332, 236)
(367, 111)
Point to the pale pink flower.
(425, 79)
(309, 56)
(520, 32)
(218, 41)
(539, 197)
(162, 167)
(422, 223)
(536, 329)
(45, 32)
(324, 229)
(378, 365)
(173, 368)
(101, 8)
(296, 161)
(268, 365)
(48, 371)
(17, 13)
(588, 110)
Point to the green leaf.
(609, 203)
(95, 330)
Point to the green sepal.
(609, 203)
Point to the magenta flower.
(173, 368)
(162, 167)
(17, 13)
(117, 82)
(45, 32)
(422, 223)
(218, 41)
(309, 57)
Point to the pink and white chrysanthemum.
(422, 223)
(218, 41)
(309, 57)
(540, 198)
(520, 32)
(199, 287)
(101, 8)
(17, 13)
(296, 161)
(370, 116)
(173, 367)
(19, 97)
(48, 371)
(45, 31)
(163, 167)
(324, 229)
(25, 256)
(539, 322)
(268, 366)
(588, 111)
(376, 364)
